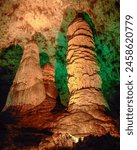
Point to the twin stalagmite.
(34, 87)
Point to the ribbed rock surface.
(86, 98)
(28, 88)
(33, 91)
(49, 82)
(86, 110)
(83, 79)
(37, 116)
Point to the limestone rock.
(49, 82)
(33, 91)
(20, 20)
(83, 79)
(86, 110)
(28, 87)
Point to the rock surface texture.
(84, 81)
(20, 19)
(28, 87)
(86, 110)
(29, 116)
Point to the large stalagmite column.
(86, 110)
(83, 79)
(87, 104)
(28, 88)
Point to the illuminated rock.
(87, 104)
(20, 19)
(49, 84)
(85, 116)
(28, 87)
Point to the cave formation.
(32, 110)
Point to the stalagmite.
(84, 81)
(48, 78)
(86, 110)
(28, 88)
(41, 115)
(29, 120)
(87, 104)
(50, 88)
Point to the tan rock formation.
(33, 91)
(28, 87)
(50, 88)
(49, 81)
(86, 110)
(86, 99)
(41, 116)
(83, 79)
